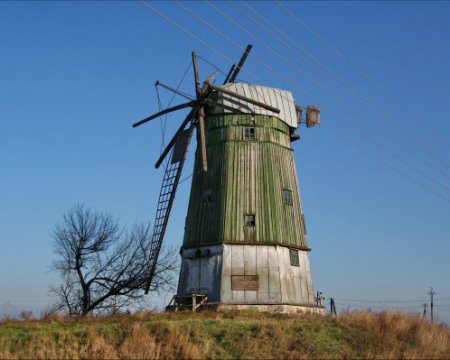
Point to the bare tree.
(104, 268)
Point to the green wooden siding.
(245, 177)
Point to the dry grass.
(230, 335)
(402, 335)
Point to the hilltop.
(227, 335)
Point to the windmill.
(245, 235)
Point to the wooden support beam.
(201, 92)
(196, 77)
(165, 111)
(202, 137)
(241, 63)
(174, 138)
(229, 74)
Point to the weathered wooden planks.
(245, 177)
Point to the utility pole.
(431, 293)
(332, 307)
(424, 316)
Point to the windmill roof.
(281, 99)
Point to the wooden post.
(201, 114)
(241, 63)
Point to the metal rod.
(165, 111)
(241, 63)
(244, 98)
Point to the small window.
(207, 196)
(249, 133)
(293, 254)
(249, 220)
(287, 196)
(304, 224)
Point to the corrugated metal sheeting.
(281, 99)
(245, 177)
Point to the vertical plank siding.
(245, 177)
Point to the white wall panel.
(281, 99)
(278, 281)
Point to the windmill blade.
(201, 93)
(212, 76)
(241, 63)
(169, 187)
(178, 92)
(198, 89)
(244, 98)
(229, 74)
(202, 137)
(174, 138)
(165, 111)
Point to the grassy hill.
(226, 336)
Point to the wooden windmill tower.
(245, 237)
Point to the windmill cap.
(281, 99)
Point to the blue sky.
(75, 75)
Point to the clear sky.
(74, 76)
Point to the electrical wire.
(363, 74)
(380, 301)
(328, 74)
(195, 37)
(212, 64)
(295, 85)
(419, 306)
(424, 174)
(381, 160)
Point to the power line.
(212, 64)
(167, 18)
(313, 81)
(323, 69)
(431, 293)
(362, 73)
(381, 160)
(419, 306)
(381, 301)
(390, 300)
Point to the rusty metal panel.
(245, 282)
